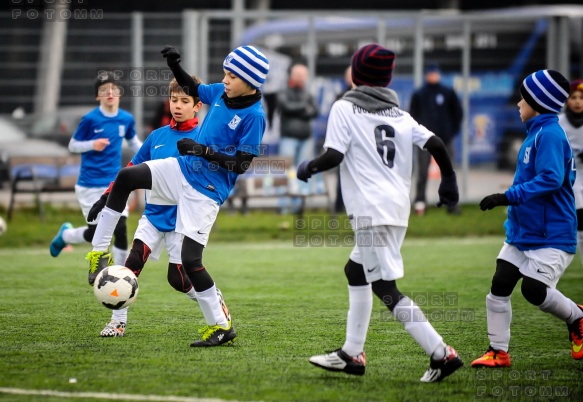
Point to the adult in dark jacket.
(438, 108)
(297, 110)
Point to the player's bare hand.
(100, 144)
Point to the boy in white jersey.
(372, 141)
(98, 139)
(201, 180)
(572, 122)
(156, 228)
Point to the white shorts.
(156, 240)
(196, 212)
(378, 249)
(546, 265)
(87, 196)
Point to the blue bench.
(39, 175)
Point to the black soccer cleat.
(214, 335)
(439, 369)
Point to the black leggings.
(507, 276)
(128, 179)
(387, 291)
(177, 277)
(191, 256)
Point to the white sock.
(120, 315)
(358, 319)
(191, 294)
(74, 235)
(104, 232)
(499, 316)
(416, 324)
(119, 255)
(211, 307)
(560, 306)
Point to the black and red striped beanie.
(372, 65)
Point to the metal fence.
(482, 54)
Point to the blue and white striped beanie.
(545, 91)
(249, 64)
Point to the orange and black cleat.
(492, 358)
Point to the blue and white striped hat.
(545, 91)
(249, 64)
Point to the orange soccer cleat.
(492, 358)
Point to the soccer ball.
(3, 226)
(116, 287)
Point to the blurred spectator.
(438, 108)
(297, 110)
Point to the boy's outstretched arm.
(328, 160)
(172, 56)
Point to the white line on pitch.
(106, 395)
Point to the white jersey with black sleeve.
(377, 144)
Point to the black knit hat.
(545, 91)
(104, 77)
(372, 65)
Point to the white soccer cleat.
(338, 360)
(113, 329)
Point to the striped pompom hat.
(545, 91)
(372, 65)
(249, 64)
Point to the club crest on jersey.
(526, 158)
(234, 122)
(122, 131)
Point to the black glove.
(304, 172)
(97, 207)
(448, 191)
(493, 200)
(580, 157)
(171, 55)
(186, 146)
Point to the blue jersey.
(98, 169)
(226, 131)
(542, 205)
(160, 144)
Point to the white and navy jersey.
(161, 144)
(98, 169)
(378, 161)
(575, 136)
(227, 131)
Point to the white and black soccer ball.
(116, 287)
(3, 226)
